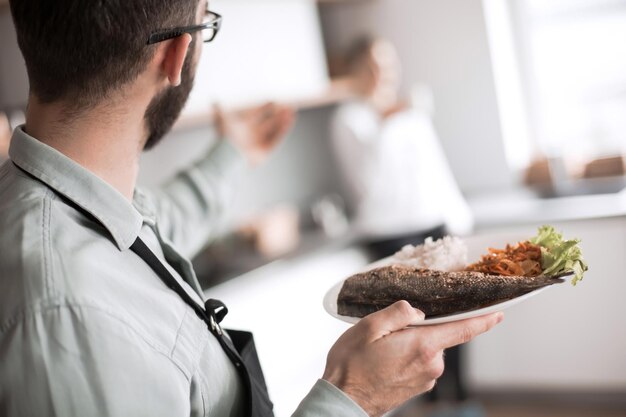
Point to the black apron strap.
(241, 350)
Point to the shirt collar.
(79, 185)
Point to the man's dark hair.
(80, 51)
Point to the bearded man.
(100, 311)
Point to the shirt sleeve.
(81, 361)
(326, 400)
(191, 206)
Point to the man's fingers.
(396, 317)
(459, 332)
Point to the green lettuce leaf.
(559, 255)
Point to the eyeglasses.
(209, 28)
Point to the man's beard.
(166, 106)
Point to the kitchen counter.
(519, 207)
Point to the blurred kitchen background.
(528, 100)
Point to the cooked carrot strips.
(523, 259)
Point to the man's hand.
(255, 131)
(381, 363)
(5, 135)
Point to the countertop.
(517, 207)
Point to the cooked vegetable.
(546, 254)
(522, 259)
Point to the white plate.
(330, 303)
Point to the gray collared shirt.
(86, 327)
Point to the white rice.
(447, 254)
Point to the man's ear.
(174, 58)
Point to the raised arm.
(190, 207)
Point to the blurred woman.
(400, 187)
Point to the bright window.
(571, 64)
(576, 64)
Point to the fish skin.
(436, 293)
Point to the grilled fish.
(436, 293)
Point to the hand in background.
(381, 363)
(255, 131)
(5, 135)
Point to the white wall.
(270, 49)
(442, 43)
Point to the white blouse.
(397, 175)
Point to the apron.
(239, 348)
